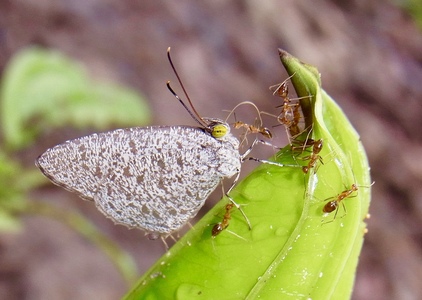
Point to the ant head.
(317, 146)
(267, 133)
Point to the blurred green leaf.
(293, 251)
(43, 88)
(12, 197)
(413, 8)
(9, 223)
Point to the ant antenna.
(192, 112)
(243, 103)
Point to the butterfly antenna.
(199, 121)
(195, 115)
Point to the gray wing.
(153, 178)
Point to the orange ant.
(314, 157)
(282, 89)
(290, 117)
(290, 114)
(256, 128)
(333, 204)
(287, 114)
(293, 126)
(219, 227)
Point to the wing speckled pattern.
(153, 178)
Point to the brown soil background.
(368, 52)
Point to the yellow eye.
(219, 130)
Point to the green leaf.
(414, 9)
(293, 251)
(51, 89)
(12, 199)
(9, 223)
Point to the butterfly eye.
(219, 131)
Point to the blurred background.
(368, 52)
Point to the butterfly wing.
(153, 178)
